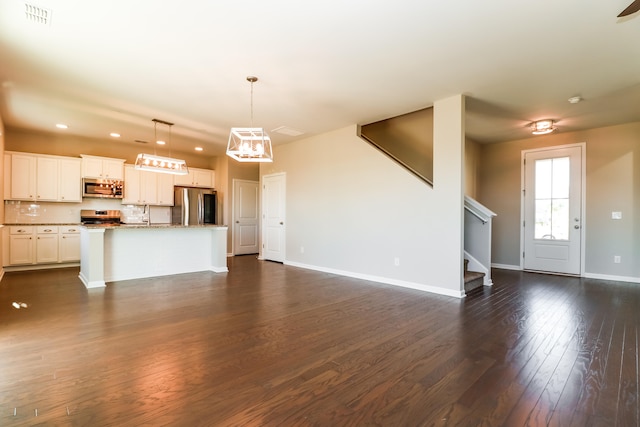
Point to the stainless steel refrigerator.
(194, 206)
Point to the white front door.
(245, 216)
(552, 203)
(273, 217)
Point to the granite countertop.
(156, 226)
(36, 224)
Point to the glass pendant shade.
(154, 163)
(249, 145)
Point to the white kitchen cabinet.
(69, 180)
(69, 244)
(164, 189)
(197, 178)
(102, 167)
(23, 176)
(46, 179)
(42, 178)
(147, 188)
(22, 245)
(139, 187)
(46, 244)
(41, 244)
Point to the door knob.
(237, 222)
(281, 223)
(576, 226)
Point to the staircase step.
(473, 280)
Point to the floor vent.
(37, 14)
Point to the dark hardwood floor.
(274, 345)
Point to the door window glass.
(552, 198)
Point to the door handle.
(281, 223)
(237, 222)
(576, 226)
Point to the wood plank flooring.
(273, 345)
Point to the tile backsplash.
(18, 212)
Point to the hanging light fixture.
(250, 144)
(154, 163)
(542, 127)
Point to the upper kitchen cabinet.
(102, 167)
(204, 178)
(147, 188)
(41, 178)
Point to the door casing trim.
(583, 193)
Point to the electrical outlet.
(617, 259)
(396, 261)
(616, 215)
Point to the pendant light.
(250, 144)
(154, 163)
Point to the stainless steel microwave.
(105, 188)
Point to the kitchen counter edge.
(143, 226)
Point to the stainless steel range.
(108, 217)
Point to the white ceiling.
(115, 65)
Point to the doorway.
(246, 211)
(273, 217)
(552, 209)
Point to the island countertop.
(143, 226)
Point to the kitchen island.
(110, 253)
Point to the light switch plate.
(616, 215)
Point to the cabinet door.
(7, 176)
(112, 169)
(92, 167)
(69, 180)
(23, 177)
(186, 180)
(47, 248)
(131, 186)
(69, 247)
(202, 178)
(165, 189)
(21, 249)
(148, 188)
(46, 179)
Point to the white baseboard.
(611, 277)
(507, 267)
(385, 280)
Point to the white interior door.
(553, 190)
(273, 217)
(246, 211)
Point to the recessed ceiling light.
(115, 134)
(199, 149)
(160, 142)
(62, 126)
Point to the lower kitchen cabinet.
(41, 244)
(46, 244)
(22, 245)
(69, 244)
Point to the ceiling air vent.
(285, 130)
(37, 14)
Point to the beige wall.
(471, 160)
(354, 210)
(612, 184)
(228, 170)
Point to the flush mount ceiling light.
(542, 127)
(154, 163)
(250, 144)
